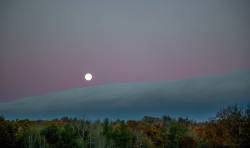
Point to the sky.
(197, 98)
(48, 45)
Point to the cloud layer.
(198, 98)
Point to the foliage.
(176, 134)
(32, 138)
(7, 134)
(230, 128)
(121, 136)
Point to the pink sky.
(47, 46)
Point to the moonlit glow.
(88, 76)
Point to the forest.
(230, 128)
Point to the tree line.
(229, 129)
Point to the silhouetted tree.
(7, 134)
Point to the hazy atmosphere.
(48, 46)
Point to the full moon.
(88, 76)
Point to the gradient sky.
(47, 45)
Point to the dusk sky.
(48, 45)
